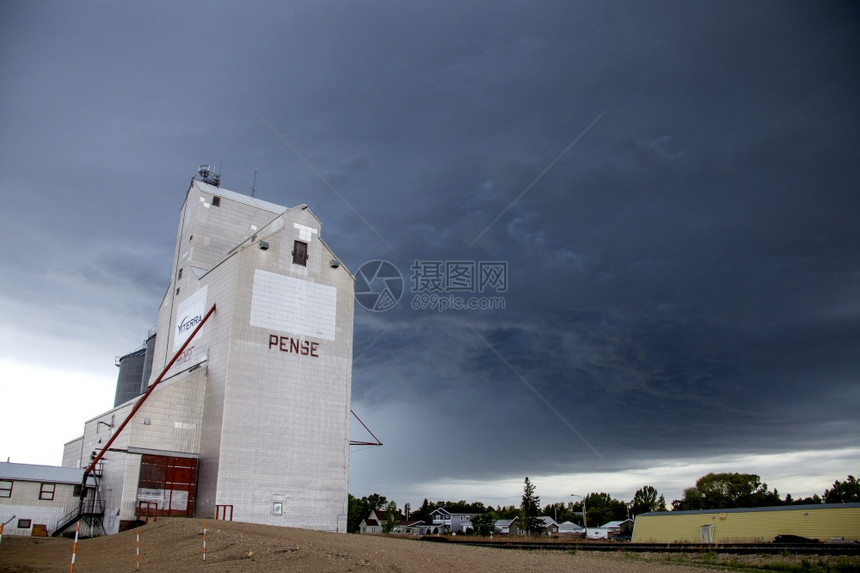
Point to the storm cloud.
(671, 186)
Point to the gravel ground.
(176, 545)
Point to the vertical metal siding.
(750, 526)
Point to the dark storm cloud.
(673, 276)
(671, 184)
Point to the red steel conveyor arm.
(140, 402)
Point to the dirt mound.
(176, 545)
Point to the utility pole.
(584, 513)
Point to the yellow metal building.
(824, 522)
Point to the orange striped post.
(2, 525)
(204, 541)
(75, 547)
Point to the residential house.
(429, 529)
(550, 527)
(507, 526)
(452, 522)
(571, 529)
(623, 528)
(376, 521)
(407, 527)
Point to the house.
(372, 523)
(750, 525)
(550, 527)
(512, 526)
(571, 528)
(623, 528)
(376, 522)
(507, 526)
(38, 498)
(452, 522)
(407, 527)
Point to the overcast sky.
(672, 186)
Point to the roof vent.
(208, 175)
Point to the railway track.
(731, 548)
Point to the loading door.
(169, 483)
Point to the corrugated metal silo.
(147, 364)
(130, 375)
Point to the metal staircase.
(90, 509)
(91, 512)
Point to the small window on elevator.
(300, 253)
(216, 201)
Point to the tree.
(646, 499)
(601, 507)
(354, 513)
(507, 512)
(724, 490)
(376, 501)
(812, 500)
(390, 517)
(843, 492)
(529, 509)
(483, 523)
(423, 513)
(358, 509)
(559, 511)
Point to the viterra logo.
(187, 324)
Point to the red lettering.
(292, 345)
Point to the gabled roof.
(48, 474)
(570, 526)
(442, 509)
(547, 521)
(379, 514)
(618, 523)
(505, 522)
(382, 517)
(239, 198)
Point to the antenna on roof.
(209, 175)
(254, 186)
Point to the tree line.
(711, 491)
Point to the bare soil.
(176, 545)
